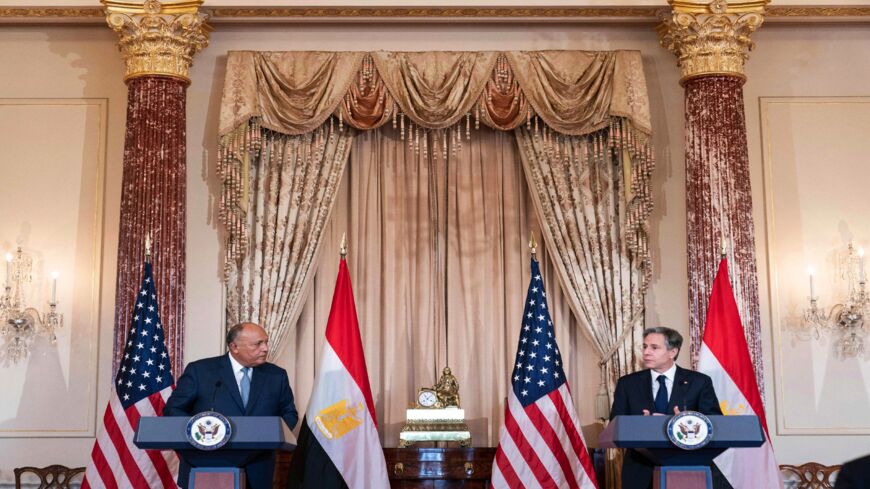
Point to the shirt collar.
(235, 364)
(669, 373)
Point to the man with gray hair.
(238, 383)
(663, 388)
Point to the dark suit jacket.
(210, 385)
(692, 391)
(854, 474)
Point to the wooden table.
(425, 468)
(441, 468)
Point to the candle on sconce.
(861, 265)
(811, 271)
(8, 269)
(54, 276)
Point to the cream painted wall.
(55, 64)
(816, 62)
(83, 62)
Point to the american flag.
(141, 388)
(540, 443)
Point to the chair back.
(51, 477)
(809, 476)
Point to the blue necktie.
(662, 396)
(245, 385)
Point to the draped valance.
(569, 93)
(572, 92)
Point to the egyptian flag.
(725, 358)
(338, 443)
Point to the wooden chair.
(51, 477)
(809, 476)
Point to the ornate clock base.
(447, 424)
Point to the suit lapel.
(647, 388)
(229, 379)
(679, 390)
(257, 381)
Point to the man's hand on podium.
(647, 413)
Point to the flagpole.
(148, 247)
(342, 250)
(533, 246)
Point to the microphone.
(685, 384)
(217, 385)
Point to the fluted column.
(158, 42)
(712, 43)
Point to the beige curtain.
(589, 182)
(594, 227)
(416, 225)
(582, 189)
(293, 183)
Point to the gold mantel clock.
(436, 415)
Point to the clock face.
(427, 398)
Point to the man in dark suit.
(854, 474)
(239, 383)
(662, 389)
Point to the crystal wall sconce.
(19, 323)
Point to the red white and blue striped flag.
(540, 443)
(141, 388)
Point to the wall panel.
(52, 155)
(815, 186)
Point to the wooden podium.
(214, 469)
(680, 468)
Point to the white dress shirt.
(237, 372)
(669, 383)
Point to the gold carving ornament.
(86, 15)
(158, 38)
(712, 38)
(436, 415)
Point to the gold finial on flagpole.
(533, 246)
(148, 246)
(343, 248)
(724, 249)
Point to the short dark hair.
(673, 339)
(234, 331)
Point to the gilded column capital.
(711, 38)
(158, 38)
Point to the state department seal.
(690, 430)
(208, 430)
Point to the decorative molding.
(775, 168)
(780, 12)
(28, 13)
(643, 13)
(158, 39)
(713, 38)
(227, 15)
(83, 314)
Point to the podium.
(221, 468)
(678, 468)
